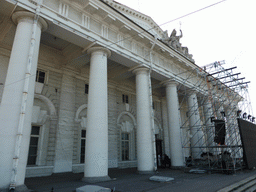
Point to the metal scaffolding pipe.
(240, 84)
(234, 80)
(222, 71)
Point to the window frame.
(125, 141)
(86, 88)
(46, 75)
(125, 98)
(81, 139)
(37, 147)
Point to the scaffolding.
(209, 128)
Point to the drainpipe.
(151, 106)
(24, 100)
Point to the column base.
(177, 167)
(96, 179)
(146, 172)
(20, 188)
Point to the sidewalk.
(127, 180)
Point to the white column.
(208, 113)
(232, 135)
(96, 152)
(174, 124)
(230, 127)
(144, 130)
(196, 132)
(65, 130)
(15, 114)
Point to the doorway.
(159, 153)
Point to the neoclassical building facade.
(88, 85)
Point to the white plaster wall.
(49, 61)
(112, 128)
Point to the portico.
(97, 75)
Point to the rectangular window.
(82, 152)
(33, 145)
(125, 146)
(125, 99)
(86, 90)
(40, 76)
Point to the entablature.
(96, 22)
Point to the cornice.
(131, 12)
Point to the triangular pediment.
(141, 19)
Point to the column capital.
(140, 69)
(99, 49)
(192, 92)
(25, 15)
(169, 83)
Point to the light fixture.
(238, 113)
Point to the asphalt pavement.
(128, 180)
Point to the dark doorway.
(159, 153)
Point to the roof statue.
(174, 42)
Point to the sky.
(225, 31)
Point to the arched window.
(126, 123)
(81, 118)
(127, 140)
(43, 111)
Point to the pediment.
(141, 19)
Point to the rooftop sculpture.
(174, 42)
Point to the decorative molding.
(48, 103)
(128, 114)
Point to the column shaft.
(17, 101)
(144, 132)
(197, 137)
(174, 125)
(96, 153)
(208, 113)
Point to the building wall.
(51, 62)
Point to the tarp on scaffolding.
(248, 136)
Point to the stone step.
(251, 189)
(236, 186)
(245, 186)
